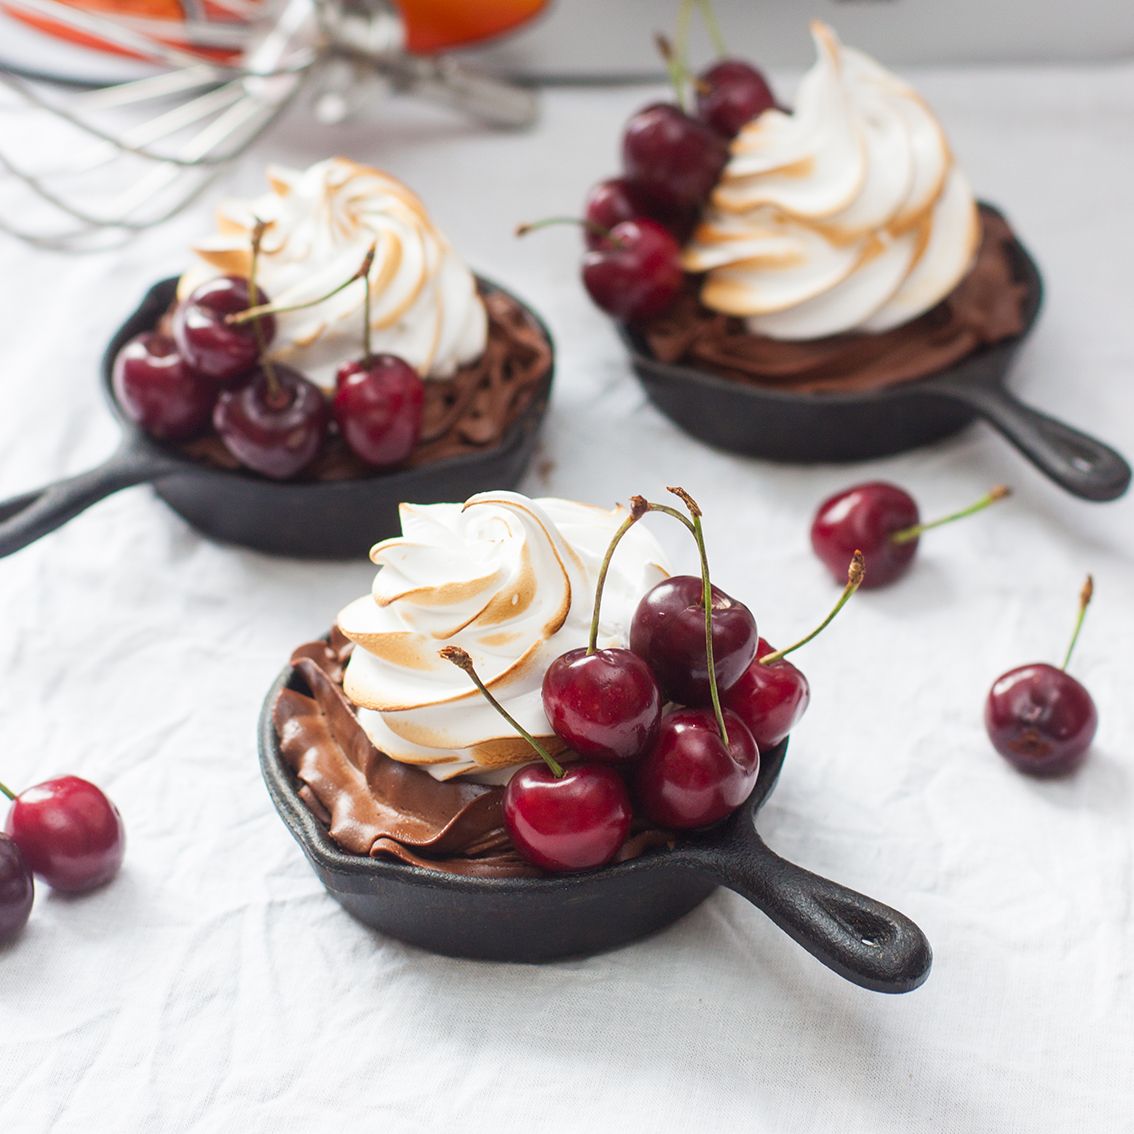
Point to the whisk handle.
(24, 518)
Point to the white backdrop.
(214, 986)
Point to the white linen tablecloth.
(215, 987)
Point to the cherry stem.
(591, 226)
(251, 313)
(5, 790)
(274, 388)
(856, 572)
(911, 533)
(1085, 596)
(460, 658)
(639, 506)
(706, 602)
(712, 27)
(367, 355)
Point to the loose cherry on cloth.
(772, 694)
(605, 704)
(159, 391)
(882, 520)
(561, 820)
(17, 890)
(69, 832)
(1040, 718)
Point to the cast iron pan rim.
(1027, 271)
(172, 455)
(321, 849)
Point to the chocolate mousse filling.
(468, 413)
(988, 306)
(374, 806)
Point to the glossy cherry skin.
(573, 823)
(731, 93)
(605, 705)
(1040, 719)
(378, 407)
(69, 832)
(636, 273)
(223, 352)
(865, 518)
(158, 391)
(668, 633)
(690, 778)
(676, 159)
(769, 699)
(274, 432)
(17, 891)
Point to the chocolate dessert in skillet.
(329, 331)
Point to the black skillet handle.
(23, 519)
(860, 939)
(1079, 463)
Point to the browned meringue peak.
(374, 806)
(987, 307)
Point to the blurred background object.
(174, 90)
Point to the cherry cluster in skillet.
(212, 370)
(64, 830)
(670, 728)
(672, 158)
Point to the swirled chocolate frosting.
(372, 805)
(470, 412)
(987, 307)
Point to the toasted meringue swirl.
(847, 215)
(512, 581)
(424, 306)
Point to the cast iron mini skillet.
(808, 428)
(320, 519)
(541, 919)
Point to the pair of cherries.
(671, 161)
(66, 832)
(1038, 717)
(689, 767)
(212, 370)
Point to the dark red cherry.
(674, 158)
(1040, 719)
(158, 391)
(70, 834)
(378, 406)
(605, 705)
(574, 822)
(221, 351)
(690, 778)
(635, 273)
(731, 93)
(668, 632)
(616, 200)
(769, 699)
(17, 891)
(273, 428)
(866, 517)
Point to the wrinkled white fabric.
(214, 987)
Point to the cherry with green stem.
(378, 401)
(883, 521)
(560, 819)
(633, 272)
(772, 693)
(704, 763)
(1040, 718)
